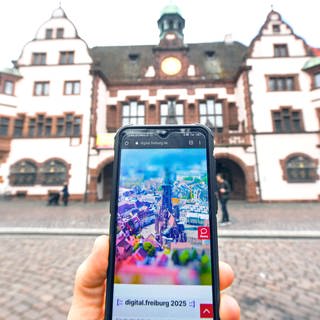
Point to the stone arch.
(248, 172)
(95, 173)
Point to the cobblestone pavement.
(275, 279)
(257, 216)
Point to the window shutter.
(111, 118)
(233, 117)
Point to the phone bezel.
(212, 209)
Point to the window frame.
(5, 87)
(75, 84)
(45, 173)
(39, 58)
(59, 33)
(130, 117)
(4, 126)
(163, 117)
(13, 174)
(17, 129)
(280, 50)
(49, 33)
(44, 88)
(66, 57)
(281, 81)
(316, 80)
(292, 119)
(313, 177)
(214, 115)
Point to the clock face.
(171, 66)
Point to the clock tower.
(171, 53)
(171, 25)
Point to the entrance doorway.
(233, 173)
(104, 182)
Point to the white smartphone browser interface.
(163, 254)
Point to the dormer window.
(281, 50)
(210, 54)
(276, 28)
(60, 32)
(49, 33)
(134, 57)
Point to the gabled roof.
(117, 67)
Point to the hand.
(89, 289)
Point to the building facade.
(62, 103)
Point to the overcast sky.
(106, 22)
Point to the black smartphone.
(163, 261)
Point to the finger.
(92, 272)
(89, 289)
(226, 275)
(229, 308)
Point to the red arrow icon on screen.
(206, 310)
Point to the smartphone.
(163, 261)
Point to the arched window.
(301, 168)
(23, 173)
(54, 173)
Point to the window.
(72, 87)
(8, 87)
(280, 50)
(23, 173)
(301, 169)
(40, 126)
(69, 126)
(60, 127)
(48, 127)
(60, 32)
(4, 127)
(66, 57)
(31, 127)
(287, 120)
(76, 126)
(282, 83)
(18, 127)
(49, 33)
(211, 114)
(39, 58)
(133, 113)
(54, 173)
(210, 54)
(41, 89)
(134, 57)
(171, 112)
(317, 80)
(276, 28)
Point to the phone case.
(212, 209)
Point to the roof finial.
(272, 6)
(60, 3)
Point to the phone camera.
(163, 133)
(126, 143)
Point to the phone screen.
(163, 255)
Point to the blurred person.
(90, 286)
(65, 195)
(54, 199)
(223, 190)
